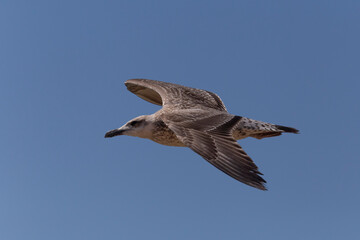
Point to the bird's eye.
(134, 123)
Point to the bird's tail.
(276, 130)
(258, 129)
(287, 129)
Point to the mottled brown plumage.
(198, 119)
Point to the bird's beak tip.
(113, 133)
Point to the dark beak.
(113, 133)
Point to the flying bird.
(198, 119)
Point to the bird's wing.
(174, 95)
(211, 138)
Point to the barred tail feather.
(287, 129)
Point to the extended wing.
(174, 95)
(211, 138)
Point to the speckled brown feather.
(199, 120)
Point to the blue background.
(62, 68)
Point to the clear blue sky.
(62, 68)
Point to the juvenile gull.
(198, 119)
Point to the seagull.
(198, 119)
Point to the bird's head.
(138, 127)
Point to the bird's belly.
(167, 137)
